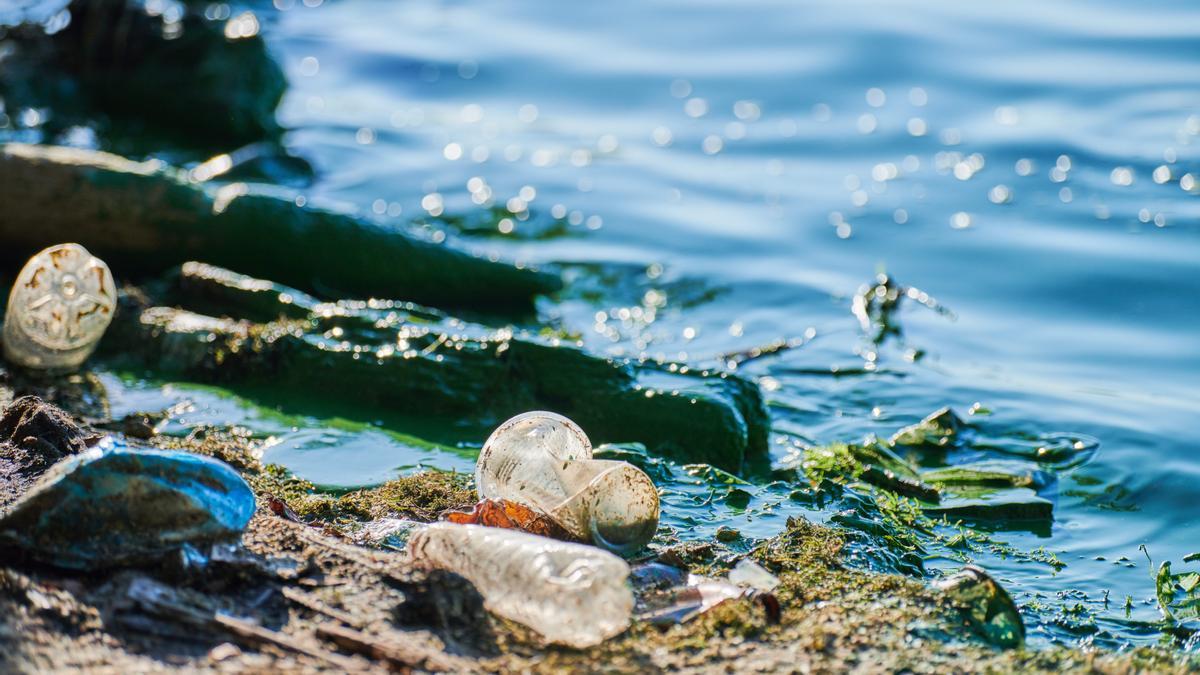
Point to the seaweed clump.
(835, 619)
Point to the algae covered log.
(142, 217)
(404, 360)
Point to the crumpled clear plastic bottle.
(544, 460)
(59, 307)
(572, 594)
(986, 606)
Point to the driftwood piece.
(164, 602)
(395, 653)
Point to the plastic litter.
(113, 506)
(58, 309)
(572, 594)
(986, 605)
(392, 533)
(750, 574)
(544, 460)
(511, 515)
(662, 605)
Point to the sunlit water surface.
(738, 170)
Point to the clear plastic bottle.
(544, 460)
(572, 594)
(59, 307)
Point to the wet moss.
(422, 497)
(835, 618)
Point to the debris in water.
(751, 574)
(59, 307)
(939, 430)
(875, 306)
(544, 460)
(985, 605)
(113, 506)
(392, 533)
(683, 602)
(571, 594)
(511, 515)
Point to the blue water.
(737, 170)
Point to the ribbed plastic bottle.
(572, 594)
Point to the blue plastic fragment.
(112, 506)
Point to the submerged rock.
(940, 430)
(1008, 504)
(116, 506)
(146, 218)
(145, 75)
(996, 473)
(399, 358)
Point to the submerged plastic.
(114, 506)
(59, 307)
(544, 460)
(572, 594)
(986, 605)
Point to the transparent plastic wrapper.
(750, 574)
(544, 460)
(572, 594)
(670, 599)
(59, 307)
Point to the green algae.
(994, 490)
(835, 618)
(939, 430)
(835, 613)
(1177, 593)
(422, 497)
(398, 357)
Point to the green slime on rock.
(399, 357)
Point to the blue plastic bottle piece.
(114, 506)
